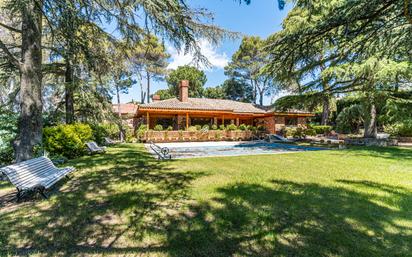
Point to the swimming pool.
(208, 149)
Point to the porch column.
(215, 121)
(147, 120)
(187, 121)
(237, 122)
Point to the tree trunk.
(325, 110)
(371, 119)
(261, 97)
(69, 93)
(30, 124)
(119, 113)
(148, 86)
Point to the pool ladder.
(162, 152)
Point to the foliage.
(140, 131)
(222, 127)
(231, 127)
(67, 140)
(164, 94)
(237, 90)
(310, 132)
(402, 129)
(102, 130)
(214, 92)
(350, 119)
(322, 129)
(196, 78)
(170, 128)
(206, 127)
(8, 132)
(158, 127)
(192, 128)
(243, 127)
(214, 127)
(247, 64)
(198, 127)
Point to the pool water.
(206, 149)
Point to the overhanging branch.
(10, 56)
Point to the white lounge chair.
(94, 148)
(36, 175)
(109, 141)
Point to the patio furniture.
(35, 175)
(94, 148)
(109, 141)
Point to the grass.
(356, 202)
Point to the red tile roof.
(125, 108)
(204, 104)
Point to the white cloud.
(217, 60)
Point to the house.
(183, 112)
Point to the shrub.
(252, 128)
(231, 127)
(192, 129)
(261, 128)
(402, 129)
(67, 140)
(140, 131)
(310, 132)
(198, 127)
(298, 133)
(214, 127)
(170, 128)
(158, 127)
(206, 127)
(222, 127)
(243, 127)
(100, 131)
(322, 129)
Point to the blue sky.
(261, 18)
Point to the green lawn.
(356, 202)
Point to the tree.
(164, 94)
(237, 90)
(214, 93)
(354, 39)
(247, 64)
(174, 20)
(197, 80)
(153, 57)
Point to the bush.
(222, 127)
(231, 127)
(67, 140)
(322, 129)
(158, 127)
(206, 127)
(261, 128)
(192, 129)
(243, 127)
(214, 127)
(401, 129)
(140, 131)
(198, 127)
(100, 131)
(310, 132)
(170, 128)
(252, 128)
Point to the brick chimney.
(184, 90)
(156, 98)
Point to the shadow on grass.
(293, 219)
(394, 153)
(126, 203)
(109, 196)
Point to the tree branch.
(10, 28)
(10, 56)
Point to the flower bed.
(197, 136)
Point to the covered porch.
(182, 119)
